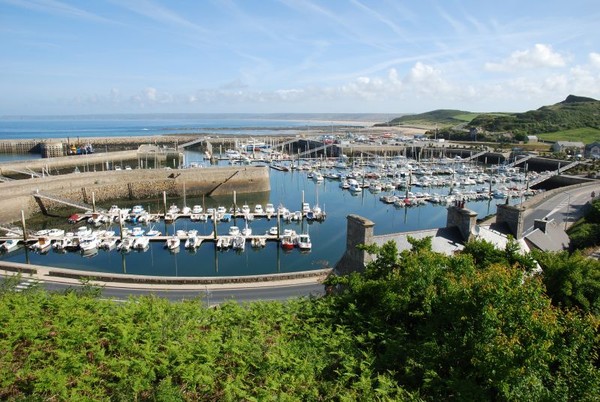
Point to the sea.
(289, 189)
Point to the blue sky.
(147, 56)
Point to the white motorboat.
(153, 232)
(247, 231)
(269, 209)
(9, 245)
(186, 210)
(88, 243)
(141, 243)
(55, 233)
(258, 242)
(137, 231)
(126, 244)
(173, 243)
(108, 243)
(273, 231)
(137, 209)
(224, 242)
(41, 245)
(42, 232)
(245, 209)
(258, 209)
(239, 243)
(83, 231)
(197, 209)
(193, 242)
(303, 241)
(234, 231)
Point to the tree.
(572, 281)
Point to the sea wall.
(127, 184)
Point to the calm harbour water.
(287, 188)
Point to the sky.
(62, 57)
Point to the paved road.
(565, 208)
(211, 296)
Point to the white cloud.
(595, 59)
(425, 79)
(539, 56)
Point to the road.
(564, 208)
(211, 295)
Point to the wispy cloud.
(158, 13)
(57, 8)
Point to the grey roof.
(444, 240)
(554, 238)
(570, 144)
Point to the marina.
(298, 225)
(395, 196)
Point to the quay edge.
(17, 195)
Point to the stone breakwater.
(127, 184)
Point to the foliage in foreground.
(586, 233)
(415, 326)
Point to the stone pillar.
(464, 219)
(359, 231)
(513, 216)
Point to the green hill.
(573, 113)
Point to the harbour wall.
(106, 186)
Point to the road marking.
(24, 285)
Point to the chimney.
(464, 219)
(513, 216)
(359, 231)
(540, 224)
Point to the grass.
(467, 117)
(587, 135)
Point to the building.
(460, 227)
(568, 147)
(592, 150)
(532, 138)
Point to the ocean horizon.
(115, 125)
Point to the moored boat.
(173, 243)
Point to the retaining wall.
(128, 184)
